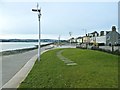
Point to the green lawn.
(94, 69)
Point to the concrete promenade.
(11, 64)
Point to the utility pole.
(39, 16)
(59, 40)
(85, 30)
(70, 33)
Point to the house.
(86, 39)
(72, 40)
(113, 37)
(101, 40)
(92, 36)
(75, 40)
(104, 38)
(79, 40)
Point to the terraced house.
(113, 37)
(105, 38)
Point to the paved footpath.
(11, 64)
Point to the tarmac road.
(11, 64)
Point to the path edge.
(20, 76)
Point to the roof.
(94, 32)
(112, 32)
(79, 37)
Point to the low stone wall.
(110, 48)
(21, 50)
(107, 49)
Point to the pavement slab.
(64, 59)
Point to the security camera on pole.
(39, 15)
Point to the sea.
(6, 46)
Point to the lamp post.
(39, 43)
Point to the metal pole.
(59, 40)
(85, 30)
(70, 33)
(39, 49)
(39, 41)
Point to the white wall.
(101, 39)
(79, 40)
(86, 39)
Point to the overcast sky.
(18, 21)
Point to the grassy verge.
(94, 69)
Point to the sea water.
(5, 46)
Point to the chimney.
(107, 32)
(113, 28)
(102, 33)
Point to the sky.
(17, 21)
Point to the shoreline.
(10, 52)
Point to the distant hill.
(28, 40)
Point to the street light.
(39, 15)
